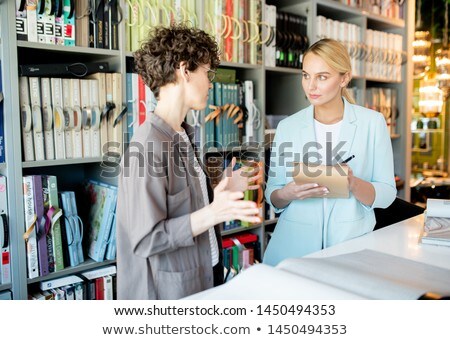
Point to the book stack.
(239, 253)
(97, 284)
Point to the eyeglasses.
(211, 73)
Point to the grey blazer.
(157, 256)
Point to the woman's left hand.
(245, 178)
(352, 180)
(361, 189)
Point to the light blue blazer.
(304, 226)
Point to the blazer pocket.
(180, 203)
(302, 214)
(351, 215)
(176, 285)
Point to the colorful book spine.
(41, 225)
(50, 188)
(30, 229)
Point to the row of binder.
(46, 21)
(140, 15)
(290, 37)
(86, 23)
(348, 34)
(70, 118)
(235, 24)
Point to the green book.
(50, 190)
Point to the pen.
(348, 159)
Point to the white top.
(327, 136)
(202, 177)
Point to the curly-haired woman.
(168, 241)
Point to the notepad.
(334, 177)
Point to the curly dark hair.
(160, 55)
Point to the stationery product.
(76, 120)
(58, 118)
(63, 70)
(86, 115)
(30, 228)
(27, 121)
(73, 228)
(47, 118)
(437, 223)
(36, 112)
(333, 177)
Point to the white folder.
(58, 118)
(77, 116)
(86, 114)
(95, 121)
(27, 121)
(248, 90)
(47, 118)
(68, 117)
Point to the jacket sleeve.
(145, 203)
(383, 178)
(276, 178)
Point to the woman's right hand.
(228, 205)
(293, 191)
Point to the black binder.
(63, 70)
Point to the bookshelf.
(70, 172)
(277, 91)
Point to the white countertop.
(264, 282)
(400, 239)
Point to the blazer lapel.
(305, 141)
(348, 130)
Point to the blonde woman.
(331, 130)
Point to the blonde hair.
(336, 56)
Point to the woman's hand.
(228, 205)
(361, 189)
(283, 197)
(245, 178)
(293, 191)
